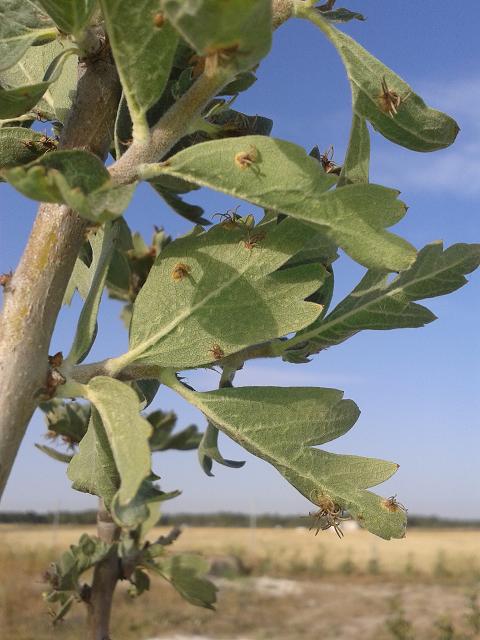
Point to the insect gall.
(55, 360)
(180, 271)
(54, 380)
(158, 19)
(217, 351)
(5, 279)
(245, 159)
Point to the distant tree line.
(219, 519)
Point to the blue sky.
(418, 389)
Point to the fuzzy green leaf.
(162, 438)
(186, 574)
(171, 196)
(318, 250)
(16, 101)
(127, 432)
(146, 391)
(103, 244)
(53, 453)
(208, 452)
(33, 68)
(69, 420)
(64, 575)
(280, 176)
(415, 125)
(356, 167)
(76, 178)
(219, 295)
(377, 303)
(22, 23)
(283, 425)
(79, 170)
(143, 510)
(239, 30)
(71, 16)
(140, 582)
(342, 15)
(93, 469)
(83, 273)
(143, 46)
(19, 145)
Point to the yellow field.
(421, 550)
(298, 587)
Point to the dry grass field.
(295, 585)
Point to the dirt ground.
(299, 587)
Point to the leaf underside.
(283, 425)
(378, 303)
(280, 176)
(414, 125)
(219, 295)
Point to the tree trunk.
(105, 577)
(34, 295)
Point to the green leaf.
(103, 244)
(239, 84)
(146, 391)
(85, 268)
(233, 123)
(56, 102)
(317, 250)
(342, 15)
(16, 101)
(140, 583)
(68, 420)
(171, 196)
(71, 16)
(143, 509)
(65, 574)
(53, 453)
(240, 31)
(162, 438)
(93, 469)
(377, 303)
(76, 178)
(132, 263)
(19, 145)
(185, 573)
(283, 425)
(22, 23)
(143, 47)
(127, 432)
(356, 167)
(80, 170)
(220, 295)
(280, 176)
(208, 452)
(62, 611)
(415, 125)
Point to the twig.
(169, 538)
